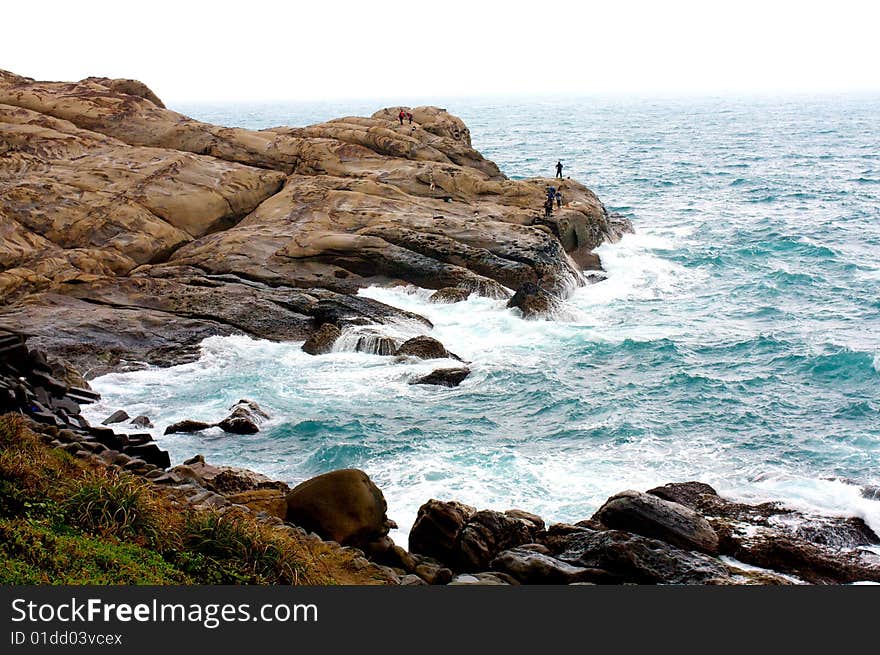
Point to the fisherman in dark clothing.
(559, 169)
(548, 207)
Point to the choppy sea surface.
(736, 340)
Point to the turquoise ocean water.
(736, 340)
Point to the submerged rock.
(533, 301)
(424, 347)
(245, 418)
(444, 377)
(186, 426)
(448, 295)
(321, 341)
(141, 422)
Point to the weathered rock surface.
(449, 295)
(424, 347)
(138, 231)
(530, 567)
(343, 505)
(322, 339)
(246, 418)
(533, 301)
(814, 548)
(633, 558)
(468, 540)
(651, 516)
(444, 377)
(187, 426)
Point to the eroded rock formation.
(136, 230)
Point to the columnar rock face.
(133, 227)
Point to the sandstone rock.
(118, 416)
(186, 426)
(343, 505)
(271, 501)
(139, 231)
(533, 301)
(423, 347)
(637, 559)
(450, 295)
(322, 340)
(651, 516)
(444, 377)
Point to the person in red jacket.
(401, 116)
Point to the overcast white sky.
(254, 50)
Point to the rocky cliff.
(131, 232)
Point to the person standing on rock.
(559, 168)
(548, 208)
(559, 199)
(401, 116)
(409, 117)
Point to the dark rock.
(142, 422)
(444, 377)
(342, 310)
(376, 344)
(689, 494)
(651, 516)
(187, 426)
(343, 505)
(424, 347)
(637, 559)
(46, 381)
(485, 535)
(533, 301)
(448, 295)
(118, 416)
(811, 562)
(321, 341)
(150, 453)
(436, 528)
(108, 437)
(245, 418)
(530, 567)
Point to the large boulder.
(652, 516)
(343, 505)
